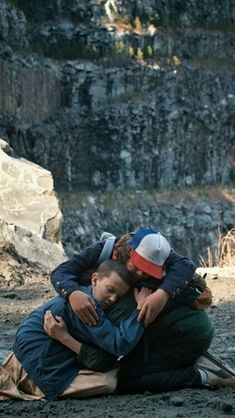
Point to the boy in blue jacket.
(53, 366)
(178, 333)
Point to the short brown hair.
(123, 249)
(108, 266)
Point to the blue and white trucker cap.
(149, 252)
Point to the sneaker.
(218, 373)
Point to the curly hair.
(123, 249)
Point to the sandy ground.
(16, 301)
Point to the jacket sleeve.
(117, 340)
(95, 358)
(67, 277)
(179, 273)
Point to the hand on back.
(84, 307)
(141, 295)
(152, 306)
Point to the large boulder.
(28, 248)
(27, 197)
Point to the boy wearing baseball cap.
(178, 272)
(164, 359)
(149, 252)
(152, 255)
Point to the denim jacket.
(50, 364)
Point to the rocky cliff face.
(194, 221)
(116, 94)
(142, 93)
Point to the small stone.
(10, 296)
(177, 401)
(230, 349)
(221, 405)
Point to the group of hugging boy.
(132, 323)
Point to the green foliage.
(117, 18)
(139, 54)
(176, 61)
(149, 51)
(153, 18)
(119, 47)
(138, 24)
(123, 19)
(131, 51)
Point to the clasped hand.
(151, 305)
(55, 327)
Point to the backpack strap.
(106, 235)
(107, 249)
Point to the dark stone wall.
(126, 96)
(107, 104)
(194, 221)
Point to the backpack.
(109, 241)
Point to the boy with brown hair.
(179, 332)
(178, 274)
(50, 368)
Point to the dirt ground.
(17, 300)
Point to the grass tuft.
(224, 254)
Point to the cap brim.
(146, 266)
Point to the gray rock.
(27, 197)
(221, 405)
(100, 120)
(87, 215)
(30, 247)
(177, 401)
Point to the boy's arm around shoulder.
(66, 278)
(179, 273)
